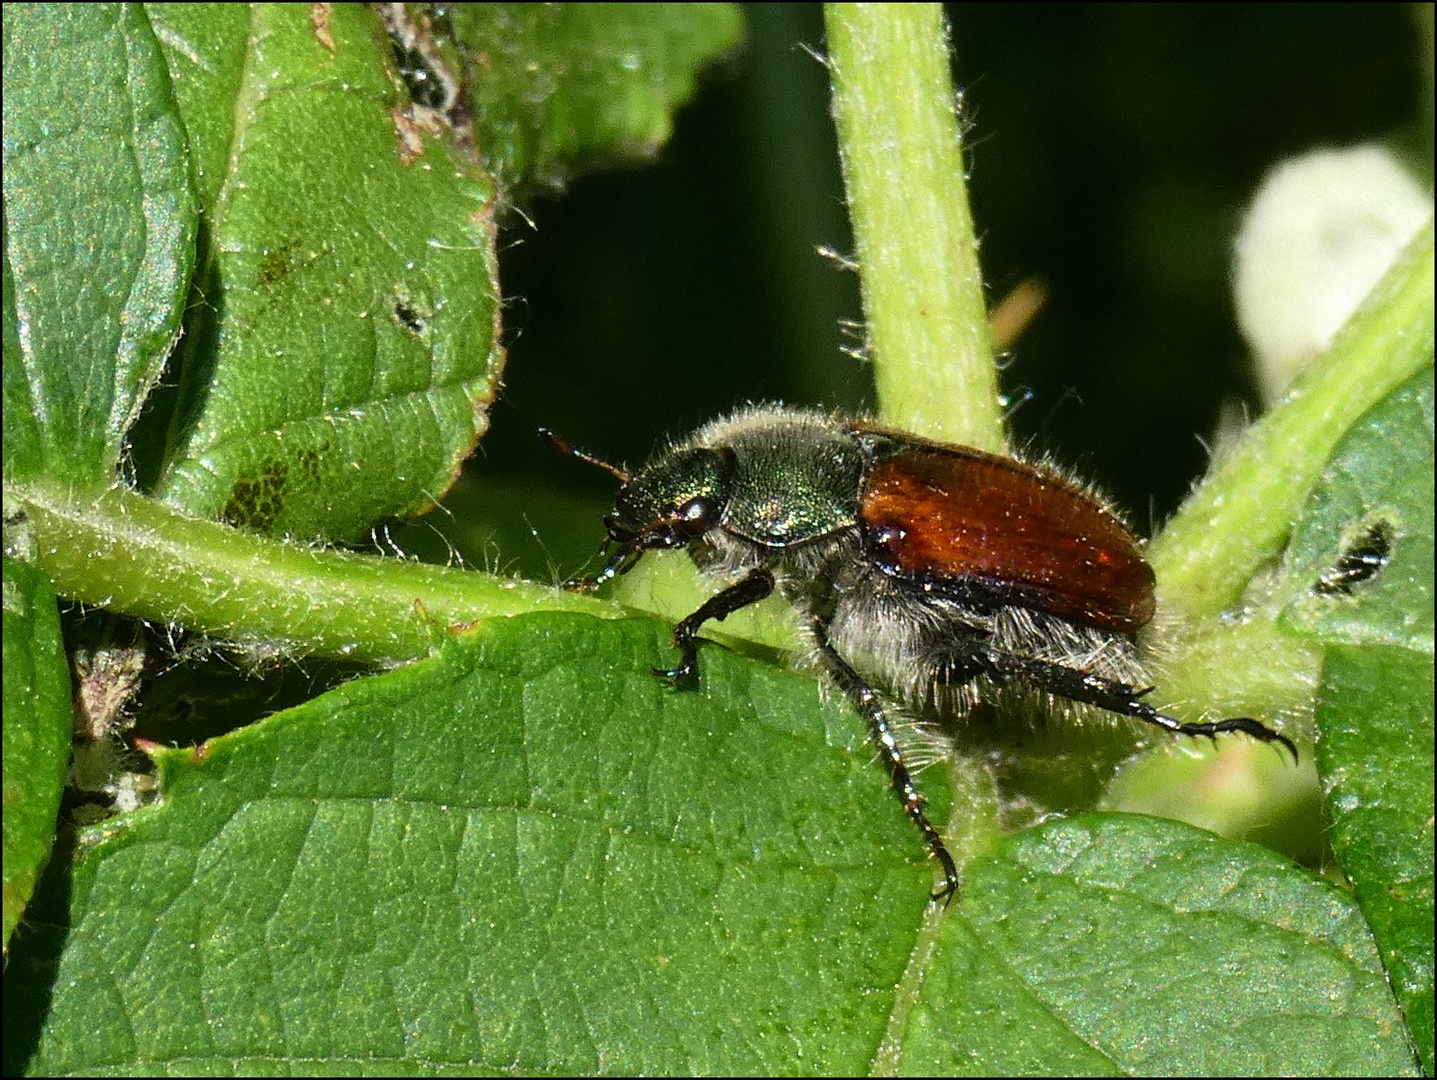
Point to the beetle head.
(672, 501)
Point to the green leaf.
(527, 854)
(1380, 476)
(1375, 694)
(37, 730)
(99, 227)
(1122, 944)
(343, 345)
(1376, 753)
(556, 87)
(205, 47)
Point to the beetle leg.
(1121, 698)
(621, 562)
(617, 564)
(880, 730)
(749, 589)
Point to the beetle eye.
(696, 515)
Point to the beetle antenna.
(565, 446)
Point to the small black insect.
(929, 571)
(1368, 553)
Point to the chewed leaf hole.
(1362, 558)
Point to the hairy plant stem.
(901, 143)
(130, 554)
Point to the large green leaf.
(99, 224)
(528, 854)
(1127, 945)
(37, 730)
(1375, 697)
(343, 343)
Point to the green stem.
(901, 145)
(130, 554)
(1242, 514)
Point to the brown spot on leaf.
(319, 19)
(275, 266)
(255, 502)
(406, 135)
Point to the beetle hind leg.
(1117, 697)
(1243, 724)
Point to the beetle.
(926, 573)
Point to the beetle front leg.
(754, 586)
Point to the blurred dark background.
(1111, 151)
